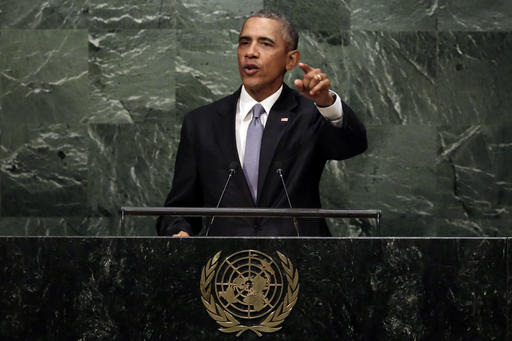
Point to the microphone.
(233, 166)
(279, 171)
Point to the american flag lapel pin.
(284, 119)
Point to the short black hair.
(290, 34)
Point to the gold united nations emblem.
(247, 291)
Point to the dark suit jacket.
(300, 146)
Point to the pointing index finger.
(305, 67)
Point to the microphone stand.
(230, 175)
(294, 219)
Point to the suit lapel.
(224, 127)
(279, 118)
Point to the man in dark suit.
(262, 127)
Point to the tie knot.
(257, 110)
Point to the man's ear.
(293, 59)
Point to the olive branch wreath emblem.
(228, 323)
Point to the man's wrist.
(326, 104)
(334, 112)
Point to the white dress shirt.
(333, 113)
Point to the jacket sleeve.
(185, 191)
(346, 141)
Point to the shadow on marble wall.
(92, 95)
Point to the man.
(262, 127)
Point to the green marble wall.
(92, 95)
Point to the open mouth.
(250, 69)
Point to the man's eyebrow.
(266, 39)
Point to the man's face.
(263, 57)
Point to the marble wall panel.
(61, 226)
(132, 14)
(474, 187)
(1, 196)
(473, 85)
(207, 67)
(360, 227)
(499, 142)
(394, 15)
(322, 15)
(44, 81)
(393, 77)
(136, 226)
(111, 225)
(475, 15)
(3, 150)
(444, 94)
(130, 165)
(475, 227)
(396, 174)
(197, 15)
(47, 175)
(48, 14)
(131, 76)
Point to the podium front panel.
(279, 288)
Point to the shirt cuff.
(334, 112)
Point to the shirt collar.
(247, 102)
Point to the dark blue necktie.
(252, 149)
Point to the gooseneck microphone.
(279, 171)
(233, 166)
